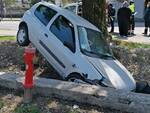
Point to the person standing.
(147, 19)
(111, 16)
(132, 25)
(145, 4)
(124, 16)
(145, 7)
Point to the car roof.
(75, 19)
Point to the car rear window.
(44, 14)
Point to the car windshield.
(92, 42)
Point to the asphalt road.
(8, 28)
(13, 25)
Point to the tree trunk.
(95, 12)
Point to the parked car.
(75, 8)
(73, 46)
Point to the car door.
(42, 16)
(60, 44)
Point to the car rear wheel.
(75, 78)
(22, 36)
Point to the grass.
(1, 104)
(130, 45)
(27, 109)
(115, 39)
(7, 38)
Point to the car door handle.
(45, 35)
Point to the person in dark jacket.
(145, 4)
(147, 19)
(124, 18)
(111, 16)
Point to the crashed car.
(74, 47)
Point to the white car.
(73, 46)
(75, 8)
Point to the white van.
(75, 8)
(73, 46)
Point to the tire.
(75, 78)
(22, 36)
(142, 87)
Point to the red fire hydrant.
(28, 83)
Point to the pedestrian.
(111, 16)
(145, 7)
(132, 23)
(124, 16)
(147, 19)
(145, 4)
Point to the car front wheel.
(22, 36)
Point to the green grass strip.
(130, 45)
(7, 38)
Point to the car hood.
(114, 72)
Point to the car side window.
(44, 14)
(64, 31)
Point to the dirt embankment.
(137, 61)
(10, 56)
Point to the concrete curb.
(82, 93)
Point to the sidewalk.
(8, 32)
(138, 38)
(10, 28)
(11, 19)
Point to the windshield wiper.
(84, 50)
(98, 54)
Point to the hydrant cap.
(30, 50)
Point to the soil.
(11, 56)
(12, 102)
